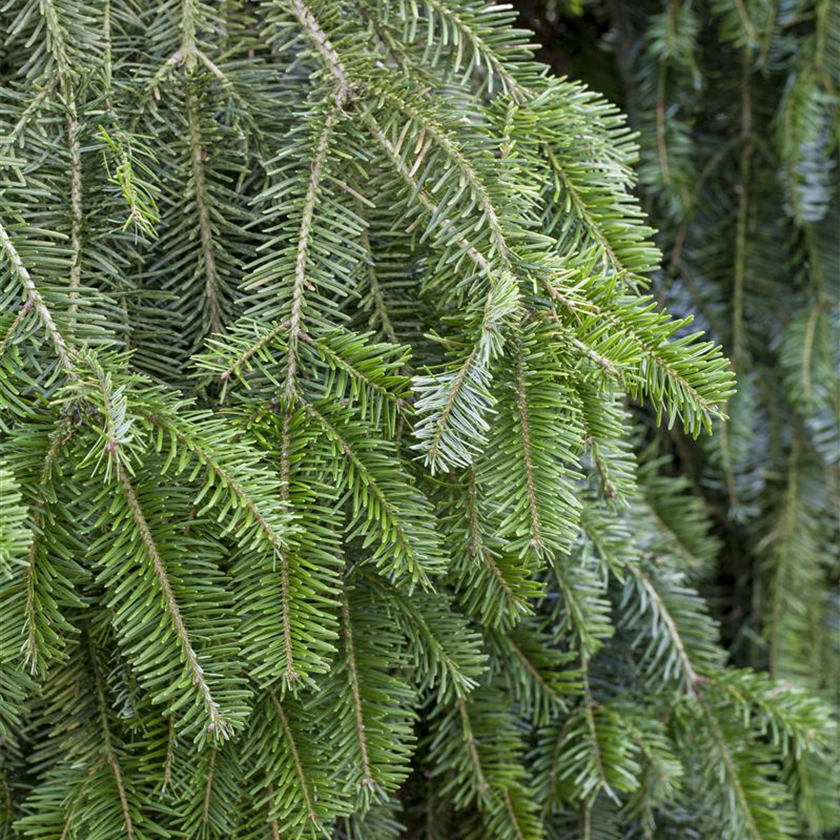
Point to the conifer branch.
(15, 326)
(376, 291)
(32, 108)
(325, 49)
(208, 788)
(480, 551)
(731, 770)
(208, 254)
(34, 297)
(221, 473)
(525, 433)
(217, 723)
(290, 674)
(582, 210)
(401, 539)
(482, 787)
(421, 194)
(31, 645)
(532, 670)
(654, 353)
(107, 745)
(358, 710)
(514, 819)
(290, 739)
(352, 370)
(453, 393)
(691, 676)
(57, 41)
(589, 705)
(518, 92)
(242, 358)
(300, 279)
(73, 129)
(468, 174)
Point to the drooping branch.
(303, 782)
(325, 49)
(76, 208)
(691, 676)
(212, 291)
(217, 723)
(303, 244)
(527, 453)
(36, 300)
(482, 786)
(109, 752)
(358, 707)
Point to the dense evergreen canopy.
(332, 502)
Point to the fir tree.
(324, 328)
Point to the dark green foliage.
(333, 500)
